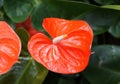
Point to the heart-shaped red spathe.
(10, 47)
(69, 50)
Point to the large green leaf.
(18, 10)
(100, 19)
(4, 17)
(25, 72)
(8, 20)
(104, 2)
(71, 9)
(40, 12)
(115, 7)
(24, 36)
(1, 3)
(104, 67)
(33, 74)
(1, 14)
(115, 29)
(98, 29)
(58, 8)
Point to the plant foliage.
(103, 17)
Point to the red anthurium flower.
(69, 50)
(10, 47)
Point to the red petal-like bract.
(10, 47)
(70, 53)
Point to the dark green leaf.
(105, 2)
(3, 17)
(71, 9)
(63, 9)
(101, 19)
(18, 10)
(98, 29)
(40, 12)
(1, 14)
(24, 37)
(115, 7)
(104, 65)
(33, 74)
(8, 20)
(115, 29)
(25, 72)
(14, 74)
(1, 3)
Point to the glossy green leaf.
(8, 20)
(1, 14)
(40, 12)
(98, 29)
(14, 74)
(25, 72)
(115, 7)
(101, 19)
(3, 17)
(24, 37)
(1, 3)
(104, 2)
(58, 8)
(18, 10)
(71, 9)
(115, 29)
(33, 74)
(104, 65)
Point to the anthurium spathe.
(10, 47)
(69, 49)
